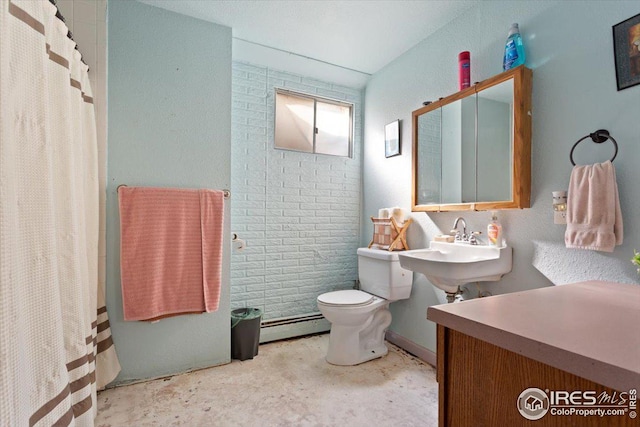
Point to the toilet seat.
(347, 298)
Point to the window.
(313, 125)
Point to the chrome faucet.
(470, 238)
(460, 237)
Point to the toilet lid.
(351, 298)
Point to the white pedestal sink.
(450, 265)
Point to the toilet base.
(364, 357)
(352, 345)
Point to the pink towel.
(170, 251)
(594, 219)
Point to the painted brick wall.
(298, 212)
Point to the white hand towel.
(594, 219)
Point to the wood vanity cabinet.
(491, 350)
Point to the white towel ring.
(599, 136)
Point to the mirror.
(495, 138)
(472, 150)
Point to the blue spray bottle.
(514, 49)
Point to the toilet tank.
(380, 274)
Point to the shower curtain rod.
(69, 33)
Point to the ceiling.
(353, 38)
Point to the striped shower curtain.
(55, 341)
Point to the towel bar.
(227, 193)
(599, 136)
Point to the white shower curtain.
(55, 342)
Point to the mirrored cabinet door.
(495, 139)
(472, 150)
(451, 183)
(429, 171)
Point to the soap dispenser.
(494, 231)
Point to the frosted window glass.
(334, 129)
(294, 123)
(312, 124)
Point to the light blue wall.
(169, 87)
(569, 48)
(298, 212)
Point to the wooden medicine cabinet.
(472, 150)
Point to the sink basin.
(449, 265)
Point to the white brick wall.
(298, 212)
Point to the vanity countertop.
(590, 329)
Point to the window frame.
(315, 99)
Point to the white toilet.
(359, 319)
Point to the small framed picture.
(626, 48)
(392, 139)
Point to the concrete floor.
(287, 384)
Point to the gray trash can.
(245, 333)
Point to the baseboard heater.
(293, 326)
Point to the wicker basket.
(389, 235)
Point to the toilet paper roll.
(398, 214)
(383, 213)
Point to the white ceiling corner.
(341, 41)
